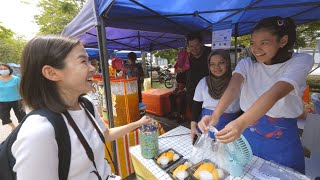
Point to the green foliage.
(5, 33)
(11, 46)
(170, 54)
(306, 36)
(243, 40)
(56, 14)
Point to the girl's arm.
(231, 93)
(264, 103)
(117, 132)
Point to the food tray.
(222, 174)
(170, 162)
(173, 168)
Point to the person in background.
(198, 63)
(134, 69)
(55, 78)
(210, 89)
(271, 85)
(178, 99)
(178, 96)
(9, 96)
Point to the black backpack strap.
(87, 104)
(61, 135)
(63, 140)
(83, 141)
(6, 158)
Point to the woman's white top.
(202, 95)
(36, 149)
(259, 78)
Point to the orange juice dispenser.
(125, 101)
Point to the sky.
(18, 16)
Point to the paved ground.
(5, 130)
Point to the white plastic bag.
(209, 148)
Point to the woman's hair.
(6, 65)
(279, 27)
(217, 85)
(36, 90)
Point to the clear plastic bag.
(209, 148)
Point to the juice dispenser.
(125, 100)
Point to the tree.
(243, 40)
(307, 35)
(11, 46)
(56, 14)
(170, 54)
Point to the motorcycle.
(165, 76)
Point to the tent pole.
(139, 40)
(101, 35)
(151, 68)
(151, 59)
(236, 43)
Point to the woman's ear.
(283, 41)
(51, 73)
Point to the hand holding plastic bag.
(209, 148)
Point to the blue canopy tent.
(134, 40)
(183, 16)
(93, 53)
(179, 17)
(124, 54)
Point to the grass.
(158, 85)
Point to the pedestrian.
(9, 96)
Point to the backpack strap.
(6, 158)
(87, 104)
(83, 141)
(61, 135)
(62, 138)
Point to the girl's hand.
(230, 132)
(207, 121)
(194, 131)
(144, 120)
(204, 123)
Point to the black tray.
(172, 168)
(170, 162)
(191, 170)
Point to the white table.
(179, 140)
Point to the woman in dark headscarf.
(210, 89)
